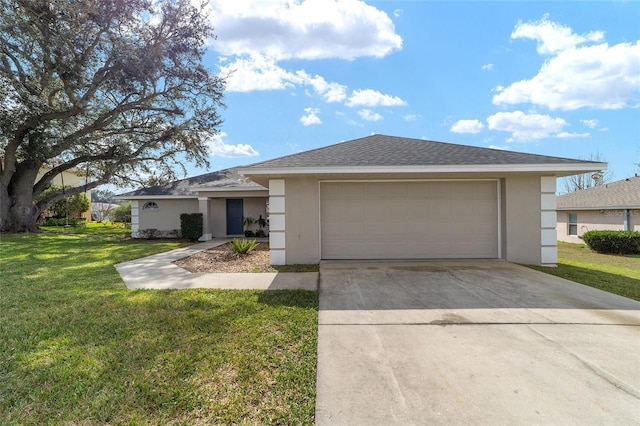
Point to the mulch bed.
(224, 259)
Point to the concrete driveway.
(472, 343)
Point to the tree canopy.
(588, 180)
(114, 87)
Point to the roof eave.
(223, 189)
(550, 168)
(634, 207)
(155, 197)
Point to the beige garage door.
(409, 220)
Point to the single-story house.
(612, 206)
(225, 198)
(379, 197)
(72, 177)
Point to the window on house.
(573, 224)
(151, 205)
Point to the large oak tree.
(114, 88)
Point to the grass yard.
(77, 347)
(615, 274)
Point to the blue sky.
(552, 78)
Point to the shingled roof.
(382, 150)
(227, 179)
(622, 194)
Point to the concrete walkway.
(159, 273)
(473, 343)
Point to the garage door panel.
(397, 190)
(404, 220)
(419, 207)
(441, 209)
(397, 208)
(441, 189)
(418, 190)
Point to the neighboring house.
(385, 197)
(225, 199)
(102, 211)
(612, 206)
(378, 197)
(72, 177)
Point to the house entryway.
(235, 218)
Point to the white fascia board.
(222, 189)
(156, 197)
(562, 169)
(599, 208)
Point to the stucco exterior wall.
(595, 220)
(522, 227)
(522, 219)
(302, 206)
(167, 217)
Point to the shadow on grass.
(616, 284)
(77, 345)
(153, 356)
(294, 298)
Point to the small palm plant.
(243, 246)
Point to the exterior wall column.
(203, 207)
(277, 240)
(135, 219)
(548, 222)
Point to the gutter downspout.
(625, 216)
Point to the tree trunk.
(17, 212)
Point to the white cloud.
(592, 124)
(217, 147)
(410, 117)
(592, 76)
(487, 67)
(372, 98)
(565, 135)
(259, 72)
(330, 91)
(311, 117)
(467, 126)
(524, 127)
(552, 37)
(256, 72)
(307, 29)
(397, 13)
(501, 148)
(367, 114)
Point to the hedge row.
(613, 242)
(72, 221)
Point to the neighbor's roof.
(376, 152)
(622, 194)
(222, 180)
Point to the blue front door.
(234, 216)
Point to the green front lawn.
(613, 273)
(77, 347)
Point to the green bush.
(613, 242)
(72, 221)
(243, 246)
(191, 225)
(122, 213)
(69, 206)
